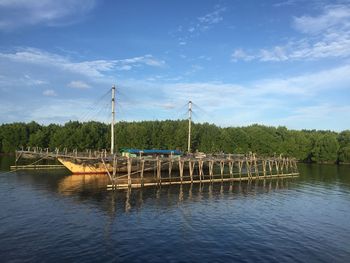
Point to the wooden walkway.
(142, 171)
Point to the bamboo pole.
(129, 164)
(222, 167)
(159, 170)
(200, 167)
(211, 167)
(142, 170)
(191, 167)
(230, 166)
(170, 169)
(181, 168)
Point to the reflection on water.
(94, 186)
(54, 216)
(74, 184)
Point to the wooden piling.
(222, 167)
(159, 170)
(129, 164)
(211, 167)
(142, 170)
(240, 165)
(200, 168)
(191, 168)
(170, 169)
(270, 167)
(230, 167)
(181, 168)
(264, 167)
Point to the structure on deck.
(149, 153)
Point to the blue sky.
(281, 62)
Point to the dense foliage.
(305, 145)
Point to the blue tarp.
(154, 151)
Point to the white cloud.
(93, 68)
(19, 13)
(239, 54)
(332, 16)
(276, 101)
(285, 3)
(200, 24)
(77, 84)
(317, 115)
(49, 93)
(326, 35)
(213, 17)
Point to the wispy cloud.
(200, 24)
(240, 54)
(298, 102)
(333, 18)
(326, 35)
(49, 93)
(285, 3)
(91, 68)
(19, 13)
(77, 84)
(206, 21)
(276, 101)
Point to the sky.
(276, 62)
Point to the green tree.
(325, 148)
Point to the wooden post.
(248, 167)
(230, 166)
(129, 164)
(270, 167)
(256, 166)
(282, 165)
(222, 167)
(191, 167)
(200, 167)
(211, 167)
(159, 170)
(170, 168)
(114, 165)
(181, 168)
(240, 165)
(277, 167)
(142, 170)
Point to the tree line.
(305, 145)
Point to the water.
(55, 217)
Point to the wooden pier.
(134, 172)
(142, 172)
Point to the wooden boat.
(86, 166)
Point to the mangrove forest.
(305, 145)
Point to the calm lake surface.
(56, 217)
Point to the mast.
(189, 126)
(113, 119)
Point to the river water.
(56, 217)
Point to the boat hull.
(86, 167)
